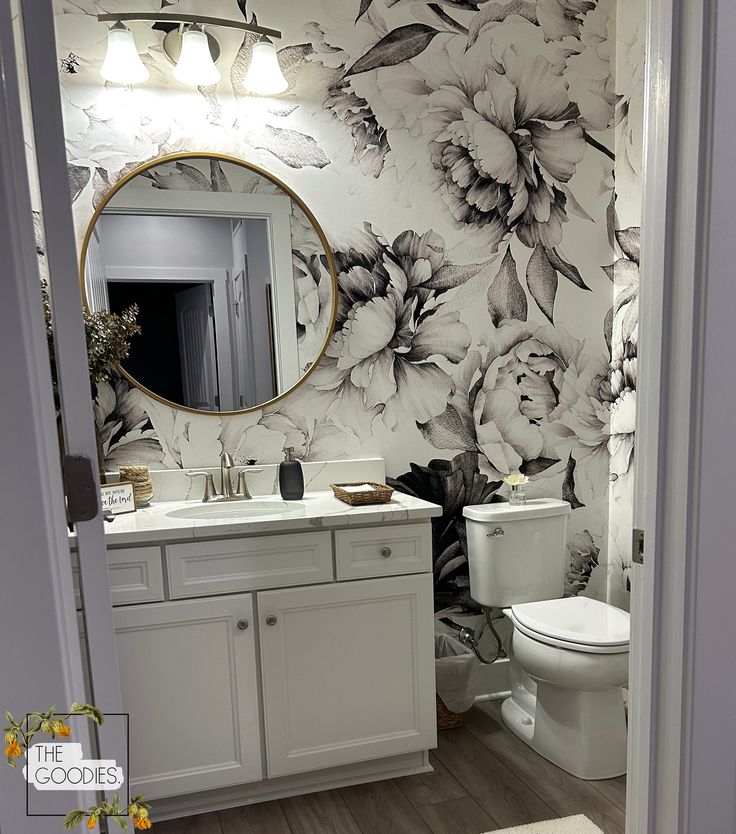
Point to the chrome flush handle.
(495, 534)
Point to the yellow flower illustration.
(63, 730)
(92, 822)
(11, 737)
(142, 823)
(13, 750)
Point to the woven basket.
(447, 720)
(380, 494)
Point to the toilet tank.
(517, 551)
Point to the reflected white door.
(196, 326)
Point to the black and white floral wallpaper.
(463, 157)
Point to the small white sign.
(62, 767)
(117, 498)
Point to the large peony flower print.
(125, 429)
(589, 69)
(393, 329)
(505, 141)
(526, 402)
(624, 345)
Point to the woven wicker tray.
(380, 494)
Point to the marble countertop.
(315, 511)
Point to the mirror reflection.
(234, 285)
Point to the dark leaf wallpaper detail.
(476, 167)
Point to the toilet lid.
(577, 620)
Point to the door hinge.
(82, 498)
(637, 546)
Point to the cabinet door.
(348, 672)
(188, 674)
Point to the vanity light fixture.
(123, 64)
(197, 51)
(195, 65)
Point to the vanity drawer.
(136, 575)
(383, 551)
(229, 565)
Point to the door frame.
(218, 278)
(275, 209)
(670, 408)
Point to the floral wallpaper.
(462, 157)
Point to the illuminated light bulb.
(122, 64)
(264, 76)
(195, 65)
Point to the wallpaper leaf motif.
(541, 278)
(506, 297)
(364, 6)
(399, 45)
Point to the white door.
(52, 198)
(196, 327)
(348, 672)
(188, 672)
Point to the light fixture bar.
(164, 17)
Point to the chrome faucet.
(226, 493)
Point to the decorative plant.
(516, 479)
(18, 738)
(108, 339)
(19, 734)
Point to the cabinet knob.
(243, 624)
(385, 552)
(271, 620)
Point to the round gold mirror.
(234, 281)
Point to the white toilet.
(569, 657)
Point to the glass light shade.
(122, 64)
(264, 75)
(195, 65)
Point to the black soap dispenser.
(291, 477)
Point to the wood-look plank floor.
(484, 779)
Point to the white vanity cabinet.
(271, 663)
(189, 684)
(348, 672)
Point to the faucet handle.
(209, 485)
(242, 489)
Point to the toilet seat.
(575, 623)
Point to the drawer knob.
(243, 624)
(271, 620)
(385, 552)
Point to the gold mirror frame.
(287, 190)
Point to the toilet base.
(584, 733)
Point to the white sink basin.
(234, 510)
